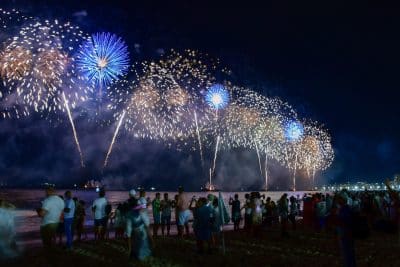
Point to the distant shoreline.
(160, 190)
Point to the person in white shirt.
(100, 215)
(69, 213)
(142, 199)
(50, 212)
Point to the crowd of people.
(65, 216)
(351, 215)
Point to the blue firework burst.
(217, 96)
(294, 131)
(103, 58)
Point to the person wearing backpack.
(345, 230)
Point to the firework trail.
(113, 139)
(73, 129)
(38, 70)
(103, 60)
(199, 140)
(215, 155)
(294, 134)
(210, 185)
(254, 121)
(266, 169)
(294, 171)
(217, 97)
(259, 158)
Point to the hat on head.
(132, 192)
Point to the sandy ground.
(303, 247)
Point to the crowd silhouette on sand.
(351, 214)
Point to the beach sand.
(303, 247)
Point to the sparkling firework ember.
(316, 152)
(255, 121)
(36, 68)
(199, 140)
(212, 171)
(103, 59)
(73, 129)
(271, 137)
(165, 101)
(294, 133)
(217, 96)
(113, 139)
(259, 158)
(10, 22)
(39, 73)
(174, 100)
(166, 95)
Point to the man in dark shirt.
(236, 216)
(344, 229)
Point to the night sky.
(335, 64)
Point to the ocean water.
(26, 202)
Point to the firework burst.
(164, 102)
(36, 67)
(103, 59)
(38, 72)
(316, 150)
(165, 96)
(255, 121)
(217, 96)
(294, 134)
